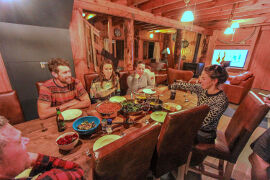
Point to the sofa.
(237, 87)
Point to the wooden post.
(129, 44)
(110, 33)
(177, 48)
(197, 46)
(140, 49)
(78, 44)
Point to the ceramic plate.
(118, 99)
(104, 140)
(172, 106)
(149, 91)
(71, 114)
(158, 116)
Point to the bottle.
(60, 120)
(103, 124)
(173, 91)
(109, 126)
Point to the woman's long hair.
(101, 74)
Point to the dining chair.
(88, 78)
(38, 85)
(10, 107)
(174, 74)
(127, 158)
(176, 139)
(229, 144)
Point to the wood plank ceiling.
(210, 14)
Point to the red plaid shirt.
(52, 168)
(57, 95)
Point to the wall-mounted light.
(83, 14)
(187, 15)
(151, 35)
(168, 50)
(89, 16)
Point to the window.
(237, 57)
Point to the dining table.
(43, 133)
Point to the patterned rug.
(229, 112)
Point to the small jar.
(109, 126)
(103, 124)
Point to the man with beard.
(62, 91)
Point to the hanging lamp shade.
(187, 16)
(235, 25)
(229, 30)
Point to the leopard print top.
(217, 103)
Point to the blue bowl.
(89, 119)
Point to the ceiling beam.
(119, 10)
(179, 5)
(135, 2)
(156, 4)
(241, 15)
(207, 6)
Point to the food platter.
(108, 109)
(117, 99)
(71, 114)
(172, 107)
(131, 108)
(104, 140)
(149, 91)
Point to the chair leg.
(181, 172)
(221, 167)
(228, 170)
(188, 162)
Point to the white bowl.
(69, 146)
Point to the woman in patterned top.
(106, 84)
(209, 93)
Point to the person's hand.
(137, 76)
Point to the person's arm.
(56, 168)
(44, 104)
(150, 82)
(196, 88)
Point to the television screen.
(236, 56)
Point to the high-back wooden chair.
(127, 158)
(176, 139)
(88, 78)
(38, 85)
(174, 74)
(10, 107)
(229, 144)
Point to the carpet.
(229, 112)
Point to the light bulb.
(151, 35)
(229, 30)
(235, 25)
(187, 16)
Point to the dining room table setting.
(119, 115)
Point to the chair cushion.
(241, 77)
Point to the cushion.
(235, 80)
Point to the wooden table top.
(44, 142)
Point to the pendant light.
(187, 15)
(234, 25)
